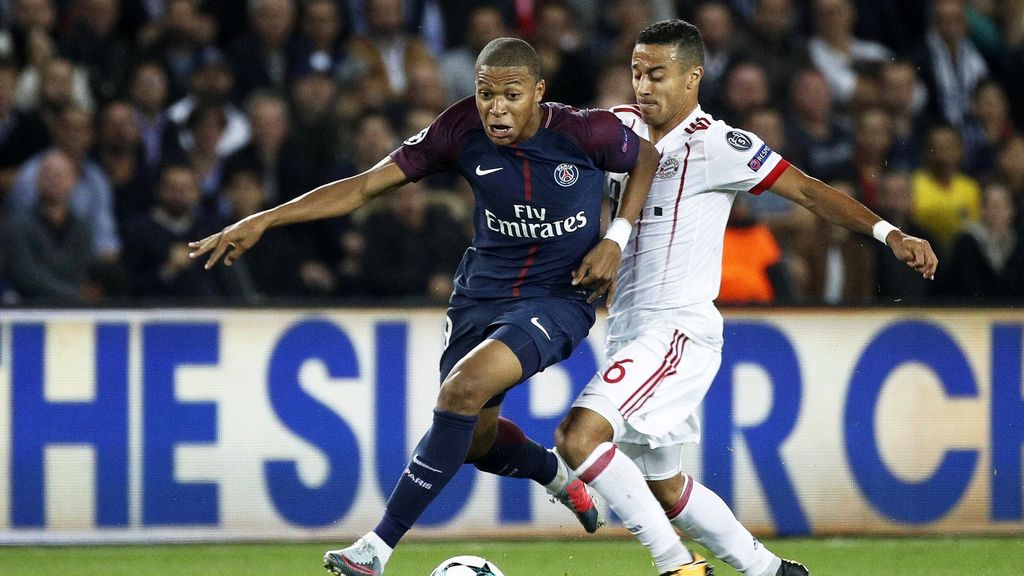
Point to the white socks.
(562, 476)
(617, 479)
(383, 550)
(706, 518)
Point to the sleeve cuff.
(770, 179)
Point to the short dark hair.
(509, 52)
(680, 33)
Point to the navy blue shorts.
(542, 331)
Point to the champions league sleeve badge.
(738, 140)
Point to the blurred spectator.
(896, 281)
(285, 171)
(949, 62)
(872, 144)
(95, 43)
(315, 118)
(175, 41)
(716, 27)
(412, 247)
(373, 139)
(988, 256)
(456, 16)
(281, 264)
(840, 264)
(945, 199)
(92, 199)
(388, 52)
(867, 95)
(261, 56)
(773, 43)
(49, 248)
(322, 45)
(564, 58)
(987, 129)
(904, 97)
(746, 89)
(51, 87)
(416, 119)
(425, 90)
(752, 268)
(32, 22)
(120, 154)
(156, 243)
(458, 65)
(204, 130)
(621, 21)
(836, 52)
(211, 85)
(812, 129)
(22, 134)
(1009, 171)
(369, 93)
(148, 95)
(1011, 70)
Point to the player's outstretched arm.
(334, 199)
(598, 268)
(840, 209)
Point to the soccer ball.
(466, 566)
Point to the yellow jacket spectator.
(945, 199)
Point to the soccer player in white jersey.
(623, 435)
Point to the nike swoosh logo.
(536, 322)
(416, 460)
(482, 172)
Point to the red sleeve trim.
(770, 179)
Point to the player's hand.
(916, 252)
(233, 240)
(598, 269)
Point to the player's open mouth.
(500, 130)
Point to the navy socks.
(437, 458)
(515, 455)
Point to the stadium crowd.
(129, 127)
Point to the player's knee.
(576, 440)
(667, 491)
(463, 394)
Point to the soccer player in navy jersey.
(525, 290)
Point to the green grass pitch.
(1002, 556)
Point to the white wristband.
(881, 230)
(618, 232)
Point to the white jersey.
(672, 267)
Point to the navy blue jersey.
(538, 202)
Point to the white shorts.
(649, 390)
(654, 463)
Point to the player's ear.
(538, 93)
(693, 81)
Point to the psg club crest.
(566, 174)
(668, 168)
